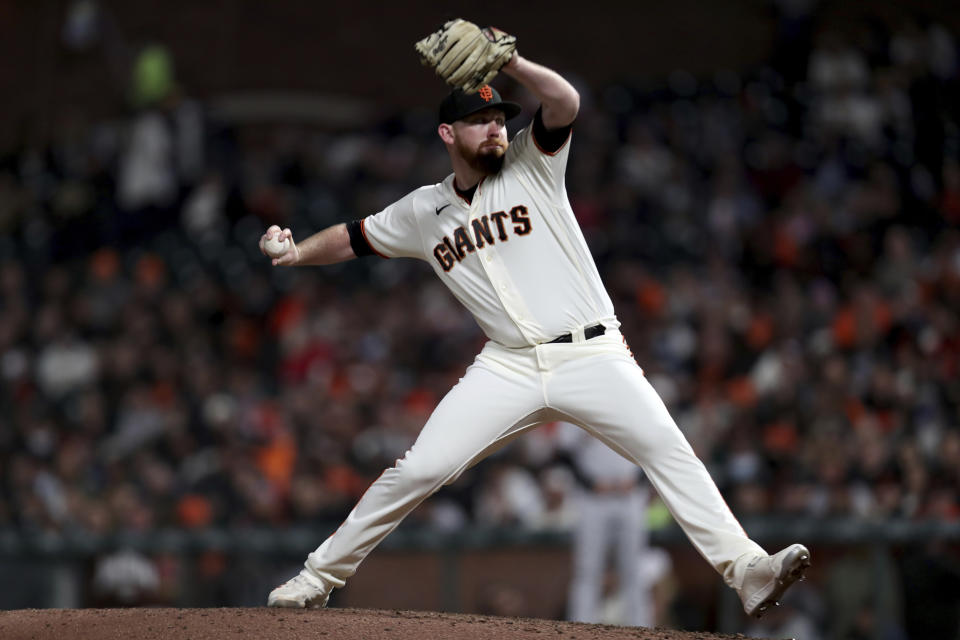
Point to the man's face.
(481, 139)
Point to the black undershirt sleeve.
(358, 242)
(550, 140)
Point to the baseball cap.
(458, 105)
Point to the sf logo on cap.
(486, 93)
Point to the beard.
(488, 160)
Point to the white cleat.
(768, 577)
(303, 591)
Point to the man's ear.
(446, 133)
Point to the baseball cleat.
(303, 591)
(768, 577)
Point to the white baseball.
(275, 247)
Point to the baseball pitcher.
(500, 233)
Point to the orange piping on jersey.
(364, 232)
(630, 351)
(457, 191)
(551, 153)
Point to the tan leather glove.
(465, 55)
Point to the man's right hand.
(289, 257)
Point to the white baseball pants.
(595, 384)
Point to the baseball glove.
(465, 55)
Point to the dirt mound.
(321, 624)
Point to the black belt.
(588, 333)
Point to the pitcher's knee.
(424, 474)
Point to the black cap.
(458, 105)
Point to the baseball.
(275, 247)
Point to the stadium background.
(771, 190)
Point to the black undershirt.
(466, 194)
(358, 242)
(549, 140)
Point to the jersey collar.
(455, 196)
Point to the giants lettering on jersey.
(483, 231)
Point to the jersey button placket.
(492, 269)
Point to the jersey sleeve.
(393, 232)
(545, 163)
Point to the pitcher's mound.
(295, 624)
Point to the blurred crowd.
(782, 245)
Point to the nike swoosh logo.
(439, 209)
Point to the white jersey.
(515, 256)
